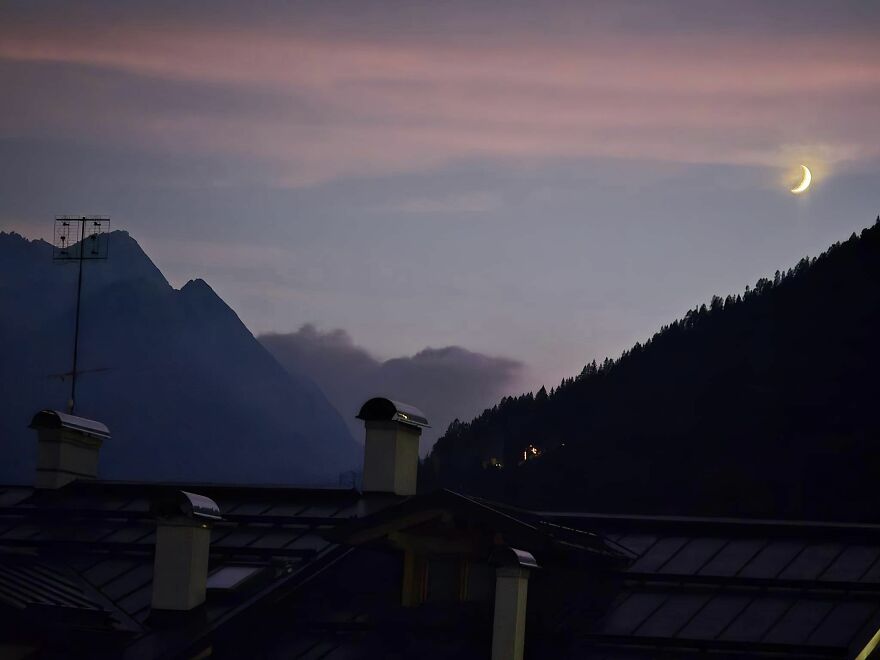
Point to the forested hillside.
(761, 404)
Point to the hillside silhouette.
(186, 390)
(761, 404)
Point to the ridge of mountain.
(187, 391)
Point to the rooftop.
(311, 573)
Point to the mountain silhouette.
(762, 404)
(186, 390)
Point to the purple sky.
(544, 181)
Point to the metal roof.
(91, 547)
(386, 410)
(25, 582)
(793, 589)
(55, 419)
(82, 556)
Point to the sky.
(538, 183)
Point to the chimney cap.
(186, 504)
(55, 419)
(380, 409)
(507, 556)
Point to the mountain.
(764, 404)
(184, 387)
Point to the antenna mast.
(79, 239)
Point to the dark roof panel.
(672, 616)
(851, 564)
(137, 603)
(240, 537)
(658, 554)
(717, 615)
(278, 538)
(108, 569)
(26, 582)
(136, 578)
(632, 612)
(773, 559)
(842, 623)
(248, 508)
(133, 534)
(693, 556)
(755, 620)
(731, 559)
(799, 622)
(637, 543)
(872, 575)
(811, 562)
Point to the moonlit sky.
(548, 182)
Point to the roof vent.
(391, 446)
(67, 447)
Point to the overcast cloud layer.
(445, 383)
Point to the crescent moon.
(805, 183)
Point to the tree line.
(762, 403)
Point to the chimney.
(183, 541)
(511, 595)
(391, 451)
(67, 448)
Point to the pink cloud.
(394, 105)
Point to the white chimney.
(183, 542)
(67, 448)
(511, 597)
(391, 451)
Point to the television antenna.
(79, 239)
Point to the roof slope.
(792, 589)
(89, 548)
(286, 582)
